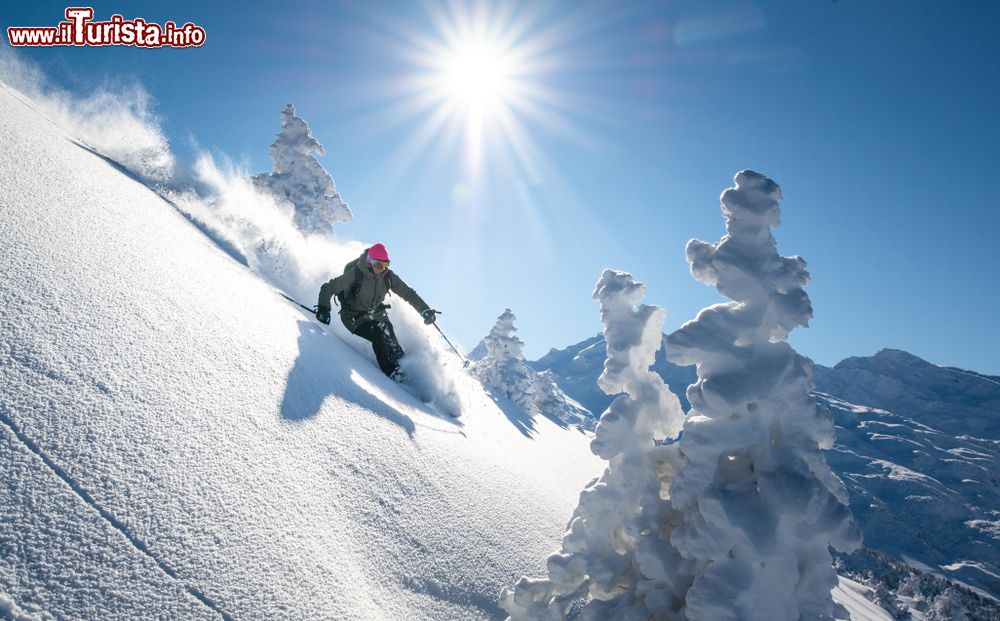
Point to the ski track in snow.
(108, 517)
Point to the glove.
(323, 314)
(429, 315)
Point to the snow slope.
(854, 598)
(178, 442)
(923, 495)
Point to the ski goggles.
(377, 265)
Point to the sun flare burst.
(476, 78)
(477, 81)
(478, 95)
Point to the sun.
(476, 86)
(477, 74)
(476, 79)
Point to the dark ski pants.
(383, 339)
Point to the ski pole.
(311, 310)
(465, 363)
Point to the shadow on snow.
(312, 378)
(522, 420)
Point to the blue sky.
(877, 117)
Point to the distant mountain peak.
(892, 353)
(885, 357)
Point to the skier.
(361, 290)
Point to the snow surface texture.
(502, 370)
(299, 177)
(759, 505)
(178, 442)
(614, 551)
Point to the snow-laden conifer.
(758, 505)
(614, 552)
(299, 178)
(500, 367)
(733, 520)
(551, 401)
(503, 369)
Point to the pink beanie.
(378, 253)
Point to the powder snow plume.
(116, 121)
(258, 225)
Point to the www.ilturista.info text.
(80, 29)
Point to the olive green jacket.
(364, 292)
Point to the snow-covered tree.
(900, 589)
(551, 401)
(758, 505)
(733, 520)
(299, 178)
(503, 368)
(947, 607)
(614, 553)
(500, 366)
(883, 597)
